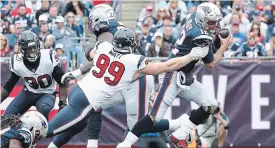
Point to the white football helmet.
(208, 16)
(100, 12)
(36, 123)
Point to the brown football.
(224, 33)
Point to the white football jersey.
(39, 80)
(111, 71)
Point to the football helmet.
(29, 45)
(36, 123)
(208, 16)
(101, 12)
(125, 41)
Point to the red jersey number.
(116, 69)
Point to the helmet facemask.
(212, 26)
(31, 51)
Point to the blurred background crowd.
(61, 25)
(250, 21)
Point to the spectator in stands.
(257, 20)
(12, 38)
(158, 48)
(257, 30)
(5, 49)
(71, 22)
(44, 9)
(236, 16)
(239, 37)
(53, 13)
(177, 13)
(4, 21)
(236, 19)
(75, 6)
(167, 22)
(22, 17)
(251, 48)
(270, 46)
(270, 29)
(44, 31)
(11, 29)
(150, 20)
(14, 12)
(63, 35)
(168, 37)
(49, 42)
(16, 48)
(145, 36)
(147, 11)
(43, 19)
(193, 3)
(59, 50)
(161, 14)
(59, 4)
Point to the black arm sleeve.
(11, 81)
(57, 74)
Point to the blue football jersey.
(21, 134)
(192, 35)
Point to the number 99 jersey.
(111, 72)
(37, 80)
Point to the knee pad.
(198, 115)
(211, 109)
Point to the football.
(224, 33)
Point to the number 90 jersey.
(111, 72)
(39, 80)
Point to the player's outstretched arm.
(8, 85)
(218, 55)
(174, 63)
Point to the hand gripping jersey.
(111, 72)
(39, 80)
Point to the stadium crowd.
(251, 23)
(58, 23)
(61, 23)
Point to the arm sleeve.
(87, 54)
(11, 81)
(57, 74)
(209, 57)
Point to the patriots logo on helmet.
(206, 9)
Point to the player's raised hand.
(226, 42)
(199, 52)
(70, 76)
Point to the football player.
(40, 71)
(115, 68)
(24, 131)
(197, 32)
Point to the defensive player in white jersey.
(40, 71)
(115, 67)
(23, 131)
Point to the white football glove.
(70, 76)
(199, 52)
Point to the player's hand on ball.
(226, 38)
(70, 76)
(199, 52)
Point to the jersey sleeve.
(209, 58)
(142, 62)
(11, 66)
(54, 58)
(102, 47)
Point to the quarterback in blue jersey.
(199, 31)
(24, 131)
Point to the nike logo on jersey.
(128, 89)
